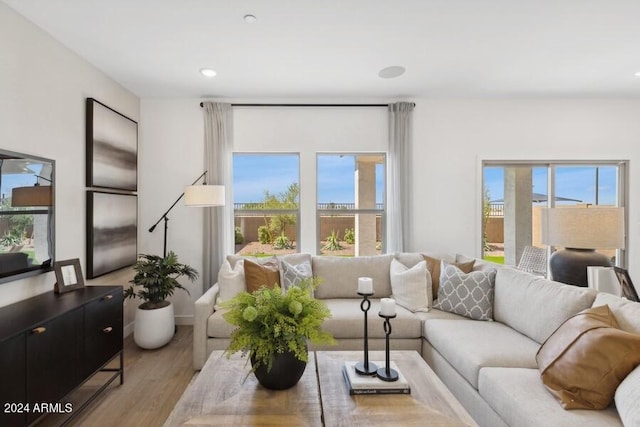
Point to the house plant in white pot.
(155, 281)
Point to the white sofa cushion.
(434, 313)
(520, 398)
(411, 287)
(231, 281)
(217, 327)
(347, 320)
(340, 275)
(626, 312)
(469, 345)
(535, 306)
(627, 399)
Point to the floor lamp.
(194, 196)
(580, 231)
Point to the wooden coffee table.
(219, 396)
(430, 402)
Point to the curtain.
(399, 180)
(218, 221)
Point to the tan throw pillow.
(433, 265)
(586, 358)
(259, 275)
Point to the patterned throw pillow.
(469, 295)
(292, 275)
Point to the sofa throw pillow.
(433, 265)
(292, 275)
(230, 281)
(627, 397)
(469, 295)
(410, 287)
(585, 359)
(259, 275)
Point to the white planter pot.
(154, 328)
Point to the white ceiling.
(335, 48)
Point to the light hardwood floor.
(154, 380)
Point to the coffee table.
(218, 396)
(430, 402)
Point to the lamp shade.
(204, 195)
(583, 228)
(38, 195)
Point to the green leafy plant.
(157, 276)
(333, 242)
(282, 242)
(264, 235)
(270, 321)
(11, 238)
(349, 236)
(239, 238)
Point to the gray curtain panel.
(399, 180)
(218, 222)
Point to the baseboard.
(128, 329)
(184, 319)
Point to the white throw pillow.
(626, 398)
(231, 281)
(411, 287)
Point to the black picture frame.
(112, 229)
(68, 275)
(628, 290)
(111, 148)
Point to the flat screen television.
(27, 189)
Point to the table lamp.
(580, 231)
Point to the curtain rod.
(309, 105)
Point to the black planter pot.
(285, 372)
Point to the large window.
(351, 204)
(266, 196)
(516, 192)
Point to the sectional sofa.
(490, 366)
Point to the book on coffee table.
(371, 384)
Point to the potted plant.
(155, 281)
(273, 327)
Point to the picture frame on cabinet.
(68, 275)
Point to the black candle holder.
(386, 373)
(366, 368)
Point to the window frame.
(331, 211)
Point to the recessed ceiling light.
(391, 72)
(637, 74)
(208, 72)
(250, 19)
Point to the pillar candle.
(388, 307)
(365, 285)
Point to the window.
(516, 192)
(350, 204)
(266, 199)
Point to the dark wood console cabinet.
(51, 344)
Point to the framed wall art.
(112, 227)
(112, 148)
(628, 289)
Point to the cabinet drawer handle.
(39, 330)
(107, 330)
(107, 297)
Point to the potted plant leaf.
(155, 281)
(273, 327)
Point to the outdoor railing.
(496, 209)
(320, 206)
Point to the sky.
(574, 182)
(255, 173)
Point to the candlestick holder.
(366, 367)
(386, 373)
